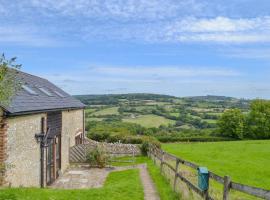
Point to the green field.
(210, 121)
(89, 110)
(149, 121)
(107, 111)
(175, 114)
(94, 119)
(124, 185)
(246, 162)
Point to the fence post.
(176, 172)
(162, 160)
(154, 155)
(133, 156)
(206, 194)
(227, 185)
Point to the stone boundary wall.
(79, 152)
(115, 148)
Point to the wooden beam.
(257, 192)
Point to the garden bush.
(147, 143)
(97, 158)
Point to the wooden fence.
(77, 154)
(227, 183)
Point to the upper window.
(29, 90)
(45, 91)
(59, 94)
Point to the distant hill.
(211, 98)
(113, 99)
(165, 117)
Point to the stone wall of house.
(3, 139)
(23, 151)
(72, 124)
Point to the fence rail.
(228, 185)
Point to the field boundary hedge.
(168, 139)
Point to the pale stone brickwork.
(3, 139)
(23, 150)
(72, 124)
(116, 148)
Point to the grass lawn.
(150, 121)
(245, 162)
(124, 185)
(107, 111)
(163, 187)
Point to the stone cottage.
(36, 131)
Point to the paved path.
(84, 177)
(150, 192)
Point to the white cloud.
(220, 29)
(210, 30)
(119, 9)
(25, 35)
(220, 24)
(150, 21)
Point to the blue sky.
(177, 47)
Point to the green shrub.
(147, 143)
(97, 157)
(145, 148)
(99, 136)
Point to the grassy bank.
(124, 185)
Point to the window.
(79, 139)
(45, 91)
(29, 90)
(59, 94)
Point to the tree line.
(252, 125)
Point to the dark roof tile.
(24, 102)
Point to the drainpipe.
(42, 138)
(42, 164)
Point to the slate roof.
(24, 102)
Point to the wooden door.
(50, 162)
(53, 151)
(53, 161)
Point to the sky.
(175, 47)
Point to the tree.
(231, 124)
(258, 122)
(8, 82)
